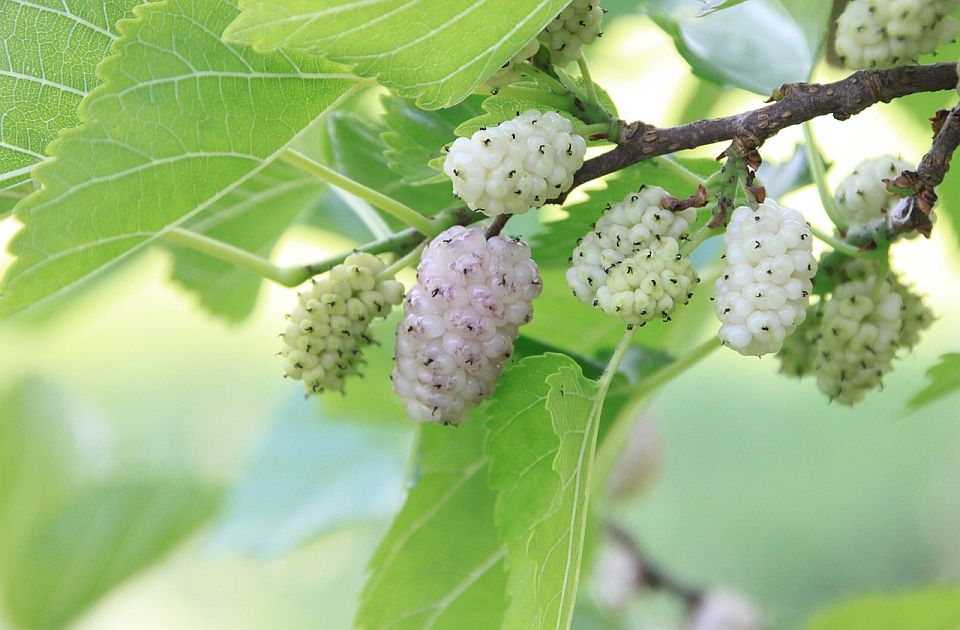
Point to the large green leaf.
(433, 50)
(541, 435)
(931, 609)
(96, 540)
(180, 121)
(252, 217)
(441, 563)
(944, 380)
(313, 473)
(736, 46)
(37, 459)
(51, 50)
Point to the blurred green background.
(764, 487)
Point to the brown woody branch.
(793, 104)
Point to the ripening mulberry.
(461, 319)
(798, 353)
(915, 315)
(860, 335)
(863, 196)
(509, 73)
(577, 25)
(520, 164)
(630, 265)
(887, 33)
(764, 291)
(328, 329)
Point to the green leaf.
(253, 217)
(433, 50)
(415, 136)
(11, 194)
(313, 473)
(944, 380)
(95, 541)
(780, 178)
(51, 51)
(541, 435)
(359, 153)
(936, 608)
(709, 6)
(37, 459)
(734, 46)
(441, 564)
(180, 121)
(553, 247)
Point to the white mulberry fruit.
(763, 293)
(915, 316)
(461, 319)
(887, 33)
(630, 265)
(520, 164)
(328, 329)
(577, 25)
(862, 196)
(509, 73)
(860, 336)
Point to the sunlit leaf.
(441, 564)
(433, 50)
(936, 608)
(180, 121)
(51, 51)
(541, 432)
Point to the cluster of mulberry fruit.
(763, 293)
(629, 264)
(862, 196)
(460, 322)
(887, 33)
(329, 327)
(520, 164)
(578, 25)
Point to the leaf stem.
(818, 170)
(840, 245)
(671, 164)
(287, 277)
(698, 237)
(388, 204)
(592, 130)
(404, 261)
(591, 89)
(619, 430)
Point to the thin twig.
(794, 103)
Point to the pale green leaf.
(37, 459)
(51, 50)
(313, 473)
(10, 195)
(433, 50)
(944, 379)
(734, 46)
(503, 107)
(415, 136)
(100, 537)
(180, 121)
(253, 217)
(441, 564)
(936, 608)
(709, 6)
(541, 435)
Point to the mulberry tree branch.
(792, 104)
